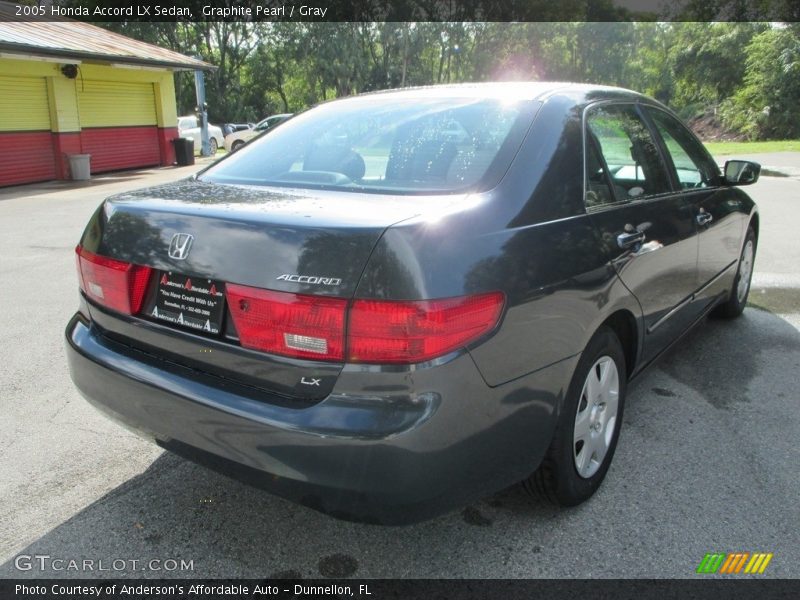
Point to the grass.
(731, 148)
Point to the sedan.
(237, 139)
(383, 320)
(188, 127)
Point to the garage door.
(118, 124)
(26, 144)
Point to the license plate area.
(191, 303)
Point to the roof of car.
(512, 90)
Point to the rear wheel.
(740, 290)
(586, 435)
(212, 144)
(236, 145)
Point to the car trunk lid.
(200, 237)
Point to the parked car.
(188, 127)
(236, 140)
(383, 320)
(229, 128)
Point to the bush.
(767, 107)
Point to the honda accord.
(399, 302)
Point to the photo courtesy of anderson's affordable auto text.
(198, 590)
(399, 300)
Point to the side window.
(598, 190)
(634, 163)
(692, 165)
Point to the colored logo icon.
(735, 563)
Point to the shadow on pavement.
(719, 394)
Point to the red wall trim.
(26, 157)
(165, 137)
(29, 156)
(114, 148)
(64, 144)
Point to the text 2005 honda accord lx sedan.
(399, 302)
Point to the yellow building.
(68, 87)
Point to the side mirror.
(741, 172)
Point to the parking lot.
(707, 460)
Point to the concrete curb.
(769, 171)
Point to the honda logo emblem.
(180, 245)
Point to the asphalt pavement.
(707, 459)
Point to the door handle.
(626, 240)
(704, 218)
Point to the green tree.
(708, 60)
(767, 107)
(747, 69)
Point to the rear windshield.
(386, 144)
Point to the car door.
(714, 206)
(646, 226)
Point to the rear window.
(386, 144)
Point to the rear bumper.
(389, 445)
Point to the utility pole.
(202, 112)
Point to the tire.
(212, 144)
(737, 299)
(588, 428)
(236, 145)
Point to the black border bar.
(391, 589)
(408, 10)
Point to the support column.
(166, 116)
(64, 121)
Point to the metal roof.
(65, 38)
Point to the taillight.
(115, 284)
(410, 332)
(377, 331)
(293, 325)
